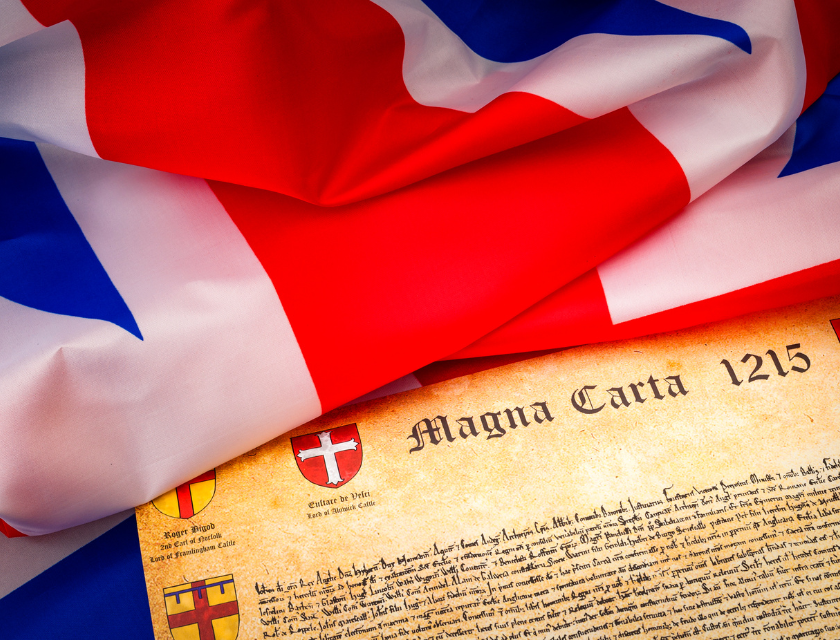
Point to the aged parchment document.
(676, 486)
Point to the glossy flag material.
(196, 89)
(766, 236)
(96, 592)
(221, 219)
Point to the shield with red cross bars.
(188, 499)
(203, 610)
(329, 458)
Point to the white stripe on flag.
(43, 80)
(406, 383)
(15, 21)
(750, 228)
(733, 109)
(711, 104)
(591, 74)
(96, 420)
(25, 558)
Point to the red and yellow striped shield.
(188, 499)
(203, 610)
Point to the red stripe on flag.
(819, 26)
(9, 531)
(574, 314)
(306, 98)
(578, 314)
(377, 289)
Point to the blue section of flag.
(817, 138)
(513, 31)
(45, 260)
(96, 592)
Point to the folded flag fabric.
(155, 323)
(768, 235)
(344, 99)
(218, 221)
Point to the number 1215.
(759, 362)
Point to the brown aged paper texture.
(613, 491)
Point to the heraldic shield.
(329, 458)
(188, 499)
(203, 610)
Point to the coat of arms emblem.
(203, 610)
(329, 458)
(188, 499)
